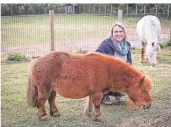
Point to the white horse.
(148, 30)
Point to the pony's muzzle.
(145, 106)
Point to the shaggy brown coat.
(77, 76)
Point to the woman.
(117, 46)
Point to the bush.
(80, 51)
(169, 43)
(14, 56)
(165, 44)
(161, 46)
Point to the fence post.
(156, 10)
(136, 10)
(111, 9)
(168, 11)
(127, 10)
(144, 9)
(51, 18)
(170, 32)
(120, 16)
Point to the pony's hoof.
(98, 119)
(56, 114)
(88, 114)
(44, 118)
(141, 61)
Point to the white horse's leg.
(143, 50)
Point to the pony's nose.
(145, 106)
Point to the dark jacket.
(107, 47)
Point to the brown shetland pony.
(77, 76)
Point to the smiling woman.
(116, 46)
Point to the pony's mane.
(111, 58)
(97, 54)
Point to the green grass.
(16, 113)
(28, 30)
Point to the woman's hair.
(119, 25)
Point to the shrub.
(165, 44)
(14, 56)
(161, 46)
(80, 51)
(169, 43)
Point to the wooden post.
(136, 10)
(127, 9)
(83, 8)
(156, 10)
(111, 9)
(105, 9)
(168, 12)
(170, 32)
(120, 16)
(89, 8)
(144, 9)
(51, 18)
(94, 9)
(73, 8)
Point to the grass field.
(16, 112)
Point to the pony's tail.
(32, 91)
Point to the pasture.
(16, 113)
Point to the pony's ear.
(146, 83)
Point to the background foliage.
(34, 9)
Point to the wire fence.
(30, 35)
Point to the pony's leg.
(41, 100)
(96, 98)
(53, 109)
(89, 109)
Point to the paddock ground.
(16, 113)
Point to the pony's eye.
(153, 44)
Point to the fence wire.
(30, 35)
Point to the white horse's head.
(151, 51)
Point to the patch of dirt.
(135, 122)
(163, 122)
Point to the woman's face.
(118, 34)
